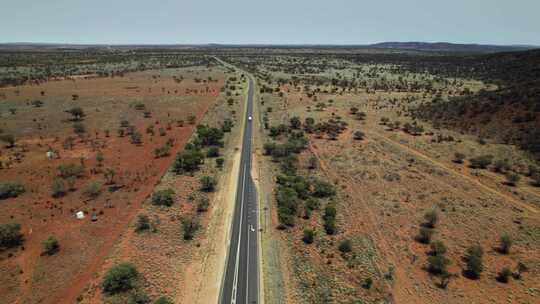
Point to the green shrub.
(208, 183)
(437, 264)
(323, 189)
(58, 188)
(119, 278)
(219, 162)
(424, 235)
(212, 152)
(51, 245)
(431, 217)
(163, 197)
(188, 160)
(66, 171)
(10, 235)
(203, 204)
(189, 227)
(162, 151)
(163, 300)
(474, 265)
(481, 162)
(438, 248)
(501, 165)
(345, 246)
(143, 223)
(506, 244)
(309, 236)
(359, 135)
(138, 297)
(93, 190)
(512, 178)
(459, 158)
(10, 190)
(329, 218)
(504, 275)
(368, 282)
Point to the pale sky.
(270, 22)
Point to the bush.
(345, 246)
(188, 160)
(506, 244)
(138, 297)
(143, 223)
(219, 162)
(79, 128)
(437, 264)
(163, 197)
(136, 138)
(438, 248)
(431, 218)
(481, 162)
(512, 178)
(203, 204)
(9, 190)
(69, 170)
(189, 227)
(504, 275)
(329, 218)
(208, 183)
(424, 235)
(459, 158)
(162, 151)
(163, 300)
(10, 235)
(323, 189)
(368, 282)
(119, 278)
(359, 135)
(93, 190)
(212, 152)
(474, 262)
(309, 236)
(58, 188)
(51, 245)
(501, 165)
(8, 139)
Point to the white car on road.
(249, 117)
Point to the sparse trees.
(143, 223)
(345, 246)
(93, 190)
(438, 248)
(190, 225)
(203, 204)
(424, 235)
(187, 161)
(504, 275)
(58, 188)
(437, 264)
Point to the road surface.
(241, 281)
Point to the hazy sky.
(271, 21)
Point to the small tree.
(438, 248)
(437, 264)
(424, 235)
(512, 178)
(354, 110)
(203, 204)
(208, 184)
(431, 218)
(8, 139)
(58, 188)
(345, 246)
(309, 236)
(77, 113)
(359, 135)
(10, 235)
(506, 244)
(119, 278)
(9, 190)
(481, 162)
(189, 227)
(143, 223)
(136, 138)
(100, 158)
(93, 190)
(163, 197)
(163, 300)
(212, 152)
(51, 246)
(504, 275)
(459, 158)
(368, 282)
(109, 176)
(474, 265)
(219, 162)
(520, 269)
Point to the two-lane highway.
(241, 281)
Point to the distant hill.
(451, 47)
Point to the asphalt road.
(241, 282)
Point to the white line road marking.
(235, 281)
(247, 271)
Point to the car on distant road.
(249, 117)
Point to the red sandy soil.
(84, 244)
